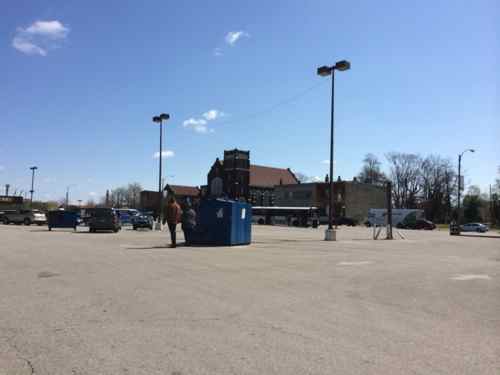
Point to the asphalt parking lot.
(290, 303)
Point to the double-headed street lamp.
(326, 71)
(159, 120)
(33, 169)
(459, 216)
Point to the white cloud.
(315, 179)
(200, 125)
(2, 168)
(233, 36)
(39, 37)
(52, 29)
(218, 51)
(25, 46)
(213, 114)
(92, 193)
(164, 154)
(194, 122)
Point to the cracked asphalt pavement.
(290, 303)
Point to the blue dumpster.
(223, 223)
(62, 219)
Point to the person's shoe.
(173, 246)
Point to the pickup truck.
(26, 217)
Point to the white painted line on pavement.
(471, 277)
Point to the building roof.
(191, 191)
(269, 176)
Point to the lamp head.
(164, 116)
(156, 119)
(342, 65)
(324, 71)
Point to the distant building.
(351, 198)
(10, 202)
(236, 178)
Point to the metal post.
(67, 197)
(32, 185)
(160, 190)
(7, 186)
(331, 209)
(459, 188)
(389, 211)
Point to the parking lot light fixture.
(159, 120)
(325, 71)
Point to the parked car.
(417, 224)
(142, 221)
(474, 227)
(26, 217)
(3, 212)
(126, 215)
(104, 219)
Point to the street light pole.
(33, 169)
(459, 216)
(159, 119)
(324, 71)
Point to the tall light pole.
(67, 195)
(159, 120)
(459, 216)
(326, 71)
(33, 169)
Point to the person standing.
(174, 213)
(188, 220)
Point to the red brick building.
(237, 178)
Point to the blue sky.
(81, 81)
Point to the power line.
(276, 106)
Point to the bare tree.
(133, 193)
(405, 173)
(437, 179)
(371, 172)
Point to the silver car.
(26, 217)
(474, 227)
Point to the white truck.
(378, 216)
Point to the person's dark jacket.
(188, 218)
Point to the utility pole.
(459, 216)
(7, 186)
(33, 169)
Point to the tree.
(437, 179)
(123, 196)
(371, 172)
(405, 174)
(472, 204)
